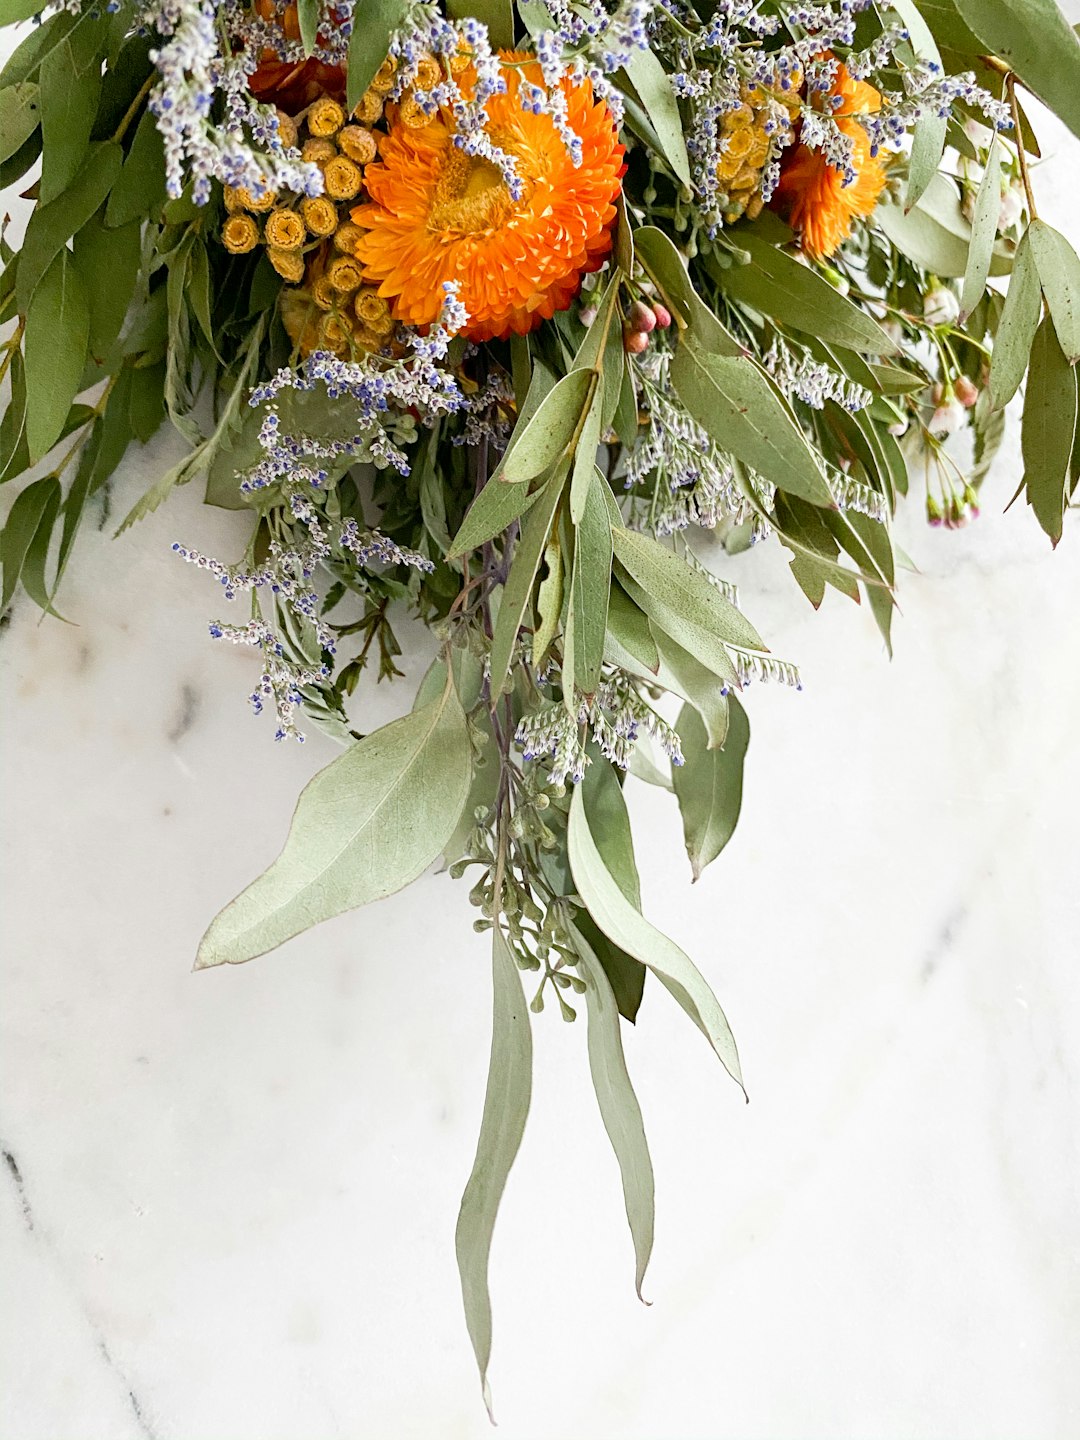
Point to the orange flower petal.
(435, 215)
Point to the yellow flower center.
(470, 196)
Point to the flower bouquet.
(485, 312)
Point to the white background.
(233, 1212)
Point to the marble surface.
(228, 1198)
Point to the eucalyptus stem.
(1025, 176)
(134, 108)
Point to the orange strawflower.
(437, 215)
(812, 194)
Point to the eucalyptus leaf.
(587, 612)
(506, 1108)
(671, 622)
(1046, 436)
(983, 231)
(709, 784)
(776, 284)
(629, 625)
(1033, 38)
(32, 508)
(628, 928)
(139, 191)
(652, 86)
(683, 674)
(928, 141)
(497, 15)
(366, 826)
(369, 44)
(619, 1108)
(55, 347)
(1016, 329)
(609, 821)
(734, 401)
(69, 99)
(549, 433)
(1059, 273)
(307, 16)
(20, 115)
(51, 226)
(518, 589)
(667, 268)
(667, 578)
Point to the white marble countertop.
(228, 1198)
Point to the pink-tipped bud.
(966, 391)
(641, 317)
(635, 341)
(663, 316)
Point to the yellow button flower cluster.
(745, 144)
(310, 240)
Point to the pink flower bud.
(635, 341)
(663, 316)
(966, 391)
(641, 317)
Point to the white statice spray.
(685, 479)
(614, 717)
(809, 381)
(211, 125)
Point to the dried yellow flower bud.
(373, 311)
(461, 59)
(266, 201)
(412, 114)
(284, 229)
(358, 144)
(346, 237)
(333, 334)
(286, 129)
(324, 294)
(320, 216)
(318, 152)
(369, 109)
(239, 234)
(384, 79)
(301, 320)
(233, 202)
(428, 73)
(325, 117)
(344, 274)
(342, 179)
(289, 264)
(367, 340)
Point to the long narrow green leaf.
(1034, 38)
(1059, 273)
(928, 142)
(708, 784)
(367, 825)
(669, 579)
(1016, 329)
(983, 231)
(57, 333)
(1046, 435)
(732, 399)
(369, 43)
(653, 89)
(519, 584)
(506, 1108)
(586, 623)
(629, 929)
(545, 438)
(619, 1108)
